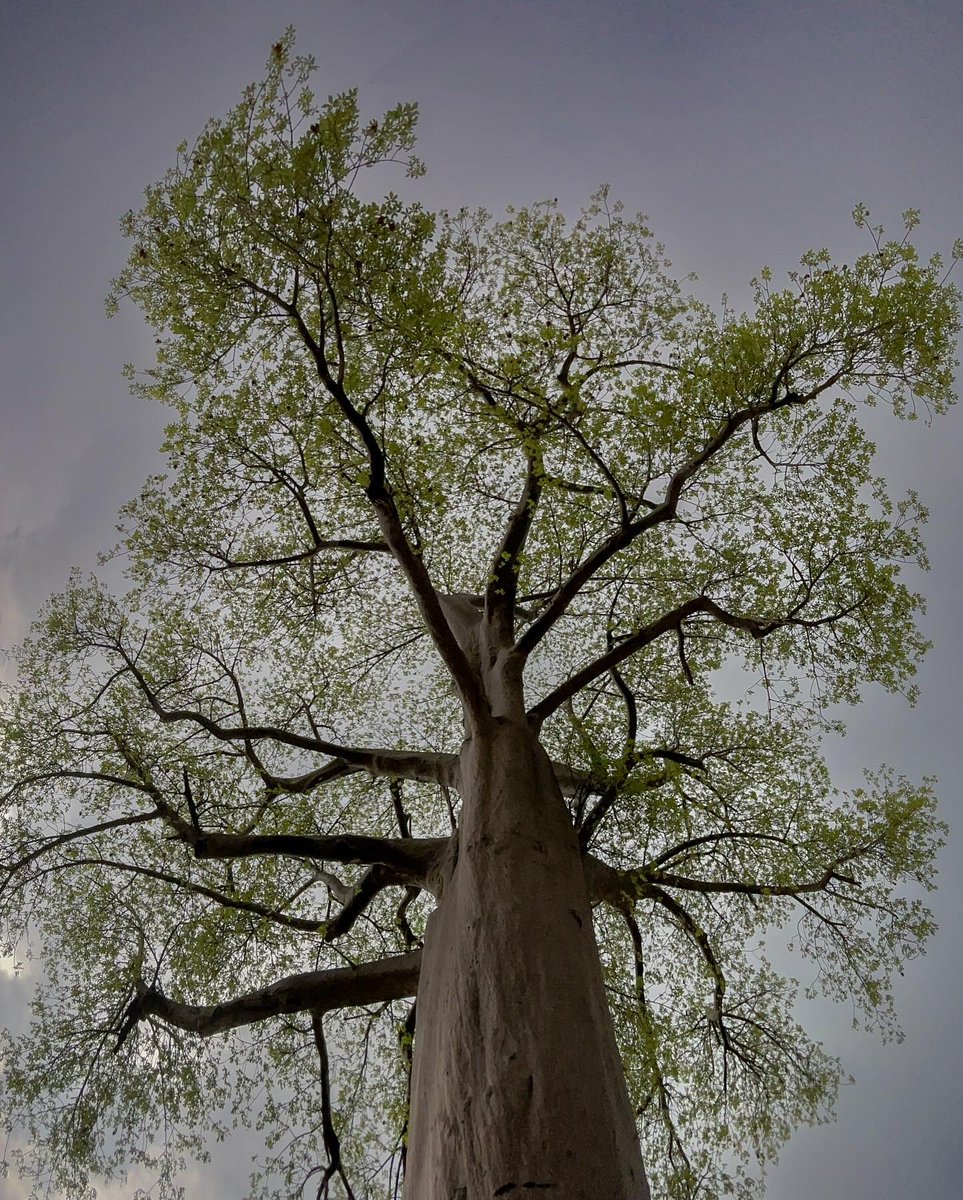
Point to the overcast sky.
(745, 129)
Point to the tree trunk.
(517, 1086)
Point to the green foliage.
(361, 392)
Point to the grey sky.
(745, 130)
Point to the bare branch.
(666, 511)
(410, 859)
(372, 883)
(379, 495)
(502, 588)
(332, 1143)
(672, 620)
(312, 991)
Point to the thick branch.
(312, 991)
(410, 859)
(422, 766)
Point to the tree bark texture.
(517, 1085)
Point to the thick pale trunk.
(517, 1087)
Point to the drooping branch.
(661, 1090)
(311, 991)
(47, 844)
(614, 487)
(397, 800)
(406, 1037)
(685, 920)
(222, 899)
(401, 918)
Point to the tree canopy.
(227, 792)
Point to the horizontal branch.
(614, 886)
(353, 544)
(411, 858)
(312, 991)
(421, 766)
(738, 887)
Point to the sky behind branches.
(746, 130)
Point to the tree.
(478, 648)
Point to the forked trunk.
(517, 1086)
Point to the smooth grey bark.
(517, 1084)
(309, 991)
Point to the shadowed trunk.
(517, 1086)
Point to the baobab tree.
(428, 798)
